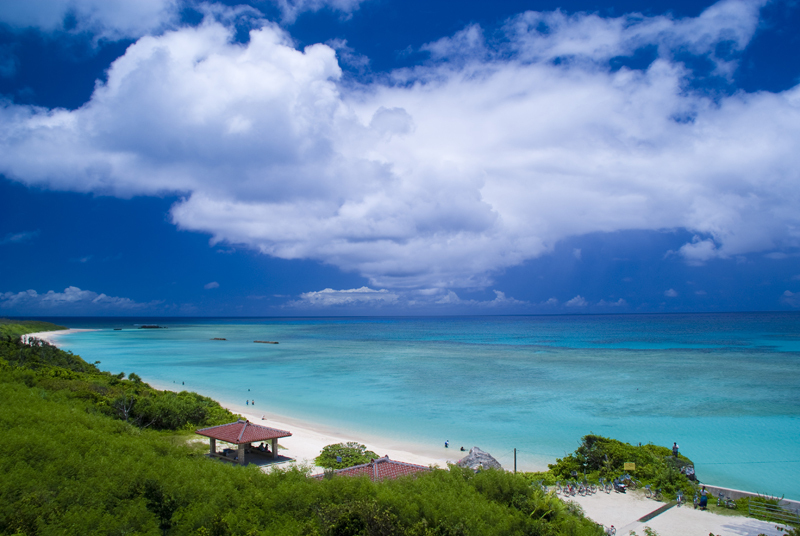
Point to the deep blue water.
(726, 387)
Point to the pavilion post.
(241, 453)
(212, 445)
(274, 447)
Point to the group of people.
(447, 445)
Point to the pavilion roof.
(380, 469)
(242, 432)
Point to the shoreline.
(51, 336)
(308, 438)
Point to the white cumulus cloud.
(212, 285)
(618, 303)
(72, 300)
(410, 300)
(791, 298)
(356, 296)
(290, 9)
(577, 301)
(112, 19)
(671, 293)
(442, 175)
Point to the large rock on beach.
(478, 459)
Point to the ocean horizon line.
(483, 315)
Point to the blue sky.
(328, 157)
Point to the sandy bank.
(51, 336)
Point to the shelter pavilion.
(243, 434)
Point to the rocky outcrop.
(478, 459)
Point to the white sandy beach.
(308, 440)
(620, 510)
(51, 336)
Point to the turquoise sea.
(726, 387)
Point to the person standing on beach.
(675, 450)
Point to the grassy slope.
(66, 469)
(16, 328)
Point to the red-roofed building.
(380, 469)
(242, 433)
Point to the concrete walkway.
(623, 510)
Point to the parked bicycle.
(539, 484)
(651, 494)
(630, 482)
(725, 501)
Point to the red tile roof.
(380, 469)
(242, 432)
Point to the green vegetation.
(88, 452)
(74, 471)
(350, 454)
(601, 457)
(16, 328)
(44, 366)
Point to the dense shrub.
(67, 469)
(342, 455)
(43, 365)
(602, 457)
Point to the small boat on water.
(267, 342)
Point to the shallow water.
(724, 386)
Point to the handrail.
(773, 512)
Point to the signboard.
(629, 466)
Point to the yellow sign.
(630, 466)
